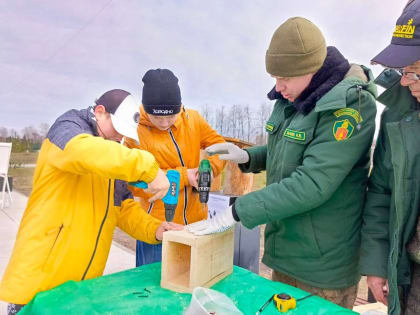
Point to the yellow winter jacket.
(178, 148)
(79, 195)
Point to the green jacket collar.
(337, 97)
(396, 96)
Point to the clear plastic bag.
(207, 301)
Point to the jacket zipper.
(359, 90)
(99, 232)
(185, 187)
(56, 238)
(391, 256)
(58, 234)
(150, 207)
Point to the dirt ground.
(124, 239)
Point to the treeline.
(28, 139)
(244, 122)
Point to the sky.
(59, 55)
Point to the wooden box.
(189, 261)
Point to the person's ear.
(99, 111)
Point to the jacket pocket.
(53, 240)
(295, 237)
(295, 142)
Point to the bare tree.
(207, 113)
(43, 129)
(31, 138)
(263, 115)
(241, 124)
(4, 133)
(30, 133)
(239, 121)
(231, 123)
(220, 120)
(248, 122)
(14, 134)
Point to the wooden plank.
(379, 307)
(237, 183)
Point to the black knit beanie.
(161, 93)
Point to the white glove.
(218, 223)
(228, 151)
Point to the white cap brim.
(126, 117)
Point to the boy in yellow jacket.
(79, 195)
(174, 135)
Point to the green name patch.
(293, 134)
(269, 127)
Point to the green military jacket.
(393, 197)
(317, 167)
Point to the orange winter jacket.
(178, 148)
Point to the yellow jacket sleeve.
(85, 153)
(210, 136)
(137, 223)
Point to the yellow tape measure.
(284, 302)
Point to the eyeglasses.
(409, 74)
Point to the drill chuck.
(203, 193)
(169, 212)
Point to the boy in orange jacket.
(174, 135)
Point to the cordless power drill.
(204, 181)
(171, 198)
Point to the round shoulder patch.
(342, 130)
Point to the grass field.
(22, 179)
(20, 158)
(22, 176)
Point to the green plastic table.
(138, 291)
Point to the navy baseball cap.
(404, 49)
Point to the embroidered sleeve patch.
(269, 127)
(349, 112)
(296, 135)
(342, 130)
